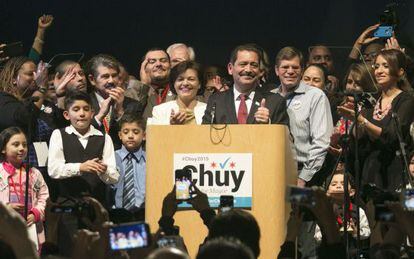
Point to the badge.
(296, 105)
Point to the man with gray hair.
(180, 52)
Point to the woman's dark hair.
(5, 137)
(396, 60)
(321, 68)
(9, 73)
(180, 68)
(365, 77)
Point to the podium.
(272, 164)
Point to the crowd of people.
(73, 154)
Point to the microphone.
(365, 99)
(213, 113)
(34, 99)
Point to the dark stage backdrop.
(126, 29)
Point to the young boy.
(80, 156)
(131, 161)
(336, 192)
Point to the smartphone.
(129, 236)
(12, 50)
(383, 213)
(384, 32)
(409, 199)
(171, 241)
(182, 184)
(226, 203)
(300, 196)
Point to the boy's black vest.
(87, 183)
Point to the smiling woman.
(378, 127)
(186, 79)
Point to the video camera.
(77, 207)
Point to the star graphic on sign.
(213, 165)
(232, 165)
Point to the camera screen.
(129, 236)
(383, 213)
(409, 199)
(303, 196)
(182, 184)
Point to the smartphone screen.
(171, 241)
(300, 196)
(129, 236)
(383, 213)
(409, 199)
(182, 184)
(383, 32)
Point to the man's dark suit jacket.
(130, 106)
(225, 111)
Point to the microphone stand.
(345, 148)
(357, 172)
(406, 176)
(28, 165)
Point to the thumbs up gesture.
(262, 113)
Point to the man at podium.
(244, 103)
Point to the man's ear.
(66, 115)
(277, 73)
(91, 79)
(119, 134)
(230, 68)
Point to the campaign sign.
(218, 174)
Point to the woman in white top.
(186, 81)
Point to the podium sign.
(272, 169)
(218, 174)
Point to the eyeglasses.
(286, 68)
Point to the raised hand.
(392, 43)
(61, 83)
(143, 75)
(262, 113)
(40, 76)
(45, 21)
(365, 37)
(200, 201)
(169, 204)
(177, 118)
(218, 84)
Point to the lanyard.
(14, 185)
(161, 99)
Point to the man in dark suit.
(107, 97)
(245, 103)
